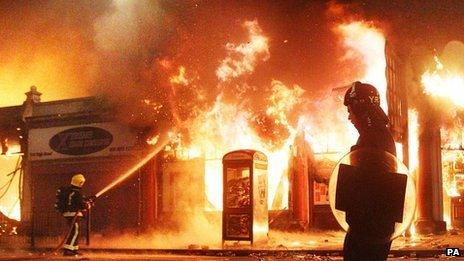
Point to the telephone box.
(245, 214)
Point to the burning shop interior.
(146, 98)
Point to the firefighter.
(361, 243)
(72, 204)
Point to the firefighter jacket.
(72, 201)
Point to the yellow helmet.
(78, 180)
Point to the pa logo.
(451, 251)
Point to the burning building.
(212, 90)
(61, 138)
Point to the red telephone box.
(245, 214)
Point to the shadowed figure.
(370, 223)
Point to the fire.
(444, 83)
(9, 202)
(282, 100)
(227, 127)
(366, 42)
(453, 172)
(248, 54)
(413, 139)
(180, 78)
(413, 146)
(153, 140)
(363, 42)
(452, 138)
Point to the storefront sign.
(81, 141)
(100, 139)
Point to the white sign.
(94, 140)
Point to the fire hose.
(120, 179)
(61, 244)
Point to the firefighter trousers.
(71, 243)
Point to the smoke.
(48, 44)
(129, 51)
(452, 56)
(122, 27)
(167, 63)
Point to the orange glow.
(413, 141)
(413, 147)
(366, 44)
(399, 151)
(444, 83)
(447, 219)
(452, 172)
(10, 203)
(53, 78)
(412, 231)
(447, 84)
(153, 140)
(249, 53)
(226, 127)
(179, 78)
(134, 168)
(235, 132)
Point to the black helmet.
(361, 94)
(364, 101)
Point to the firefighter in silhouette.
(368, 236)
(71, 203)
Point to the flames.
(180, 78)
(444, 83)
(243, 57)
(365, 44)
(413, 139)
(228, 126)
(10, 181)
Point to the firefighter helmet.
(361, 94)
(78, 180)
